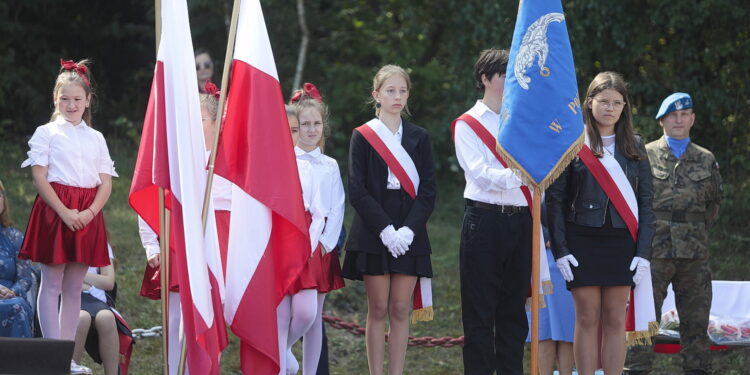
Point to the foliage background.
(660, 46)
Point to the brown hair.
(5, 213)
(624, 134)
(490, 61)
(72, 76)
(306, 101)
(388, 71)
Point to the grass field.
(730, 261)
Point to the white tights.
(63, 282)
(300, 315)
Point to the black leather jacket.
(576, 197)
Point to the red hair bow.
(308, 89)
(80, 69)
(211, 89)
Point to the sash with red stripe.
(610, 188)
(374, 140)
(489, 140)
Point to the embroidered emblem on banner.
(534, 45)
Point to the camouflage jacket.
(687, 193)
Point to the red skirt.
(151, 284)
(322, 272)
(49, 241)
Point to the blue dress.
(15, 274)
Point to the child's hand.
(71, 219)
(86, 216)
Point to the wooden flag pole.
(220, 111)
(535, 287)
(163, 228)
(214, 143)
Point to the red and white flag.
(268, 233)
(172, 156)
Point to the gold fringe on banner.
(642, 337)
(424, 314)
(569, 155)
(547, 288)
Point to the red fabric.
(374, 140)
(222, 227)
(675, 348)
(610, 188)
(489, 140)
(49, 241)
(332, 279)
(151, 283)
(255, 154)
(126, 347)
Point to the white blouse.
(311, 195)
(393, 182)
(74, 154)
(332, 199)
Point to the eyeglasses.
(206, 65)
(616, 104)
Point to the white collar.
(482, 108)
(315, 153)
(400, 127)
(61, 121)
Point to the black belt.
(680, 216)
(497, 207)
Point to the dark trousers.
(323, 361)
(495, 267)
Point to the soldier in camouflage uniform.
(687, 192)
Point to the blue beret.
(674, 102)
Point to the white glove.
(641, 267)
(406, 235)
(564, 263)
(392, 241)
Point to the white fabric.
(393, 183)
(564, 263)
(618, 176)
(187, 157)
(311, 198)
(252, 45)
(221, 190)
(94, 291)
(394, 145)
(641, 267)
(731, 299)
(74, 154)
(486, 179)
(392, 242)
(332, 198)
(149, 239)
(406, 235)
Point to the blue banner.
(541, 124)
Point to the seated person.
(99, 324)
(16, 315)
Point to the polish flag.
(172, 156)
(268, 234)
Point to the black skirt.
(604, 255)
(92, 305)
(358, 263)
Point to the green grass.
(730, 261)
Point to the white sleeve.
(106, 165)
(38, 148)
(317, 211)
(470, 155)
(335, 214)
(148, 238)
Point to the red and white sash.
(400, 163)
(640, 323)
(545, 283)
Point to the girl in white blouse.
(323, 271)
(71, 170)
